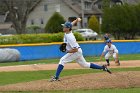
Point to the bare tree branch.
(19, 11)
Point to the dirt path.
(35, 67)
(85, 81)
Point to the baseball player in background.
(112, 51)
(74, 52)
(106, 36)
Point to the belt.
(76, 47)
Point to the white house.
(67, 8)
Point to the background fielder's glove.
(63, 47)
(106, 37)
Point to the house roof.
(124, 1)
(131, 1)
(2, 18)
(76, 6)
(5, 25)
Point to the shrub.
(78, 36)
(93, 24)
(35, 38)
(54, 23)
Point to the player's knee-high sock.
(58, 71)
(107, 60)
(94, 66)
(119, 62)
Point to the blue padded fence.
(89, 49)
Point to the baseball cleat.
(54, 79)
(118, 63)
(108, 64)
(106, 69)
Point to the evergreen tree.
(54, 23)
(93, 23)
(121, 21)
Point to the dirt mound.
(86, 81)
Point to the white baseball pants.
(108, 55)
(77, 56)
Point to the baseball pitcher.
(73, 52)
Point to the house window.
(100, 6)
(88, 5)
(41, 21)
(32, 22)
(46, 7)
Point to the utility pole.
(82, 10)
(100, 24)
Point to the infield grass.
(26, 76)
(55, 61)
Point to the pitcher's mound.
(85, 81)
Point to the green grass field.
(26, 76)
(89, 59)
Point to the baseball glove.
(62, 47)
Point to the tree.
(131, 26)
(19, 11)
(137, 12)
(33, 29)
(105, 4)
(93, 23)
(121, 21)
(54, 23)
(3, 8)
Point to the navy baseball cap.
(67, 25)
(108, 41)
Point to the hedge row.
(35, 38)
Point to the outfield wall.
(92, 48)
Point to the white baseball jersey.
(111, 49)
(77, 56)
(71, 41)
